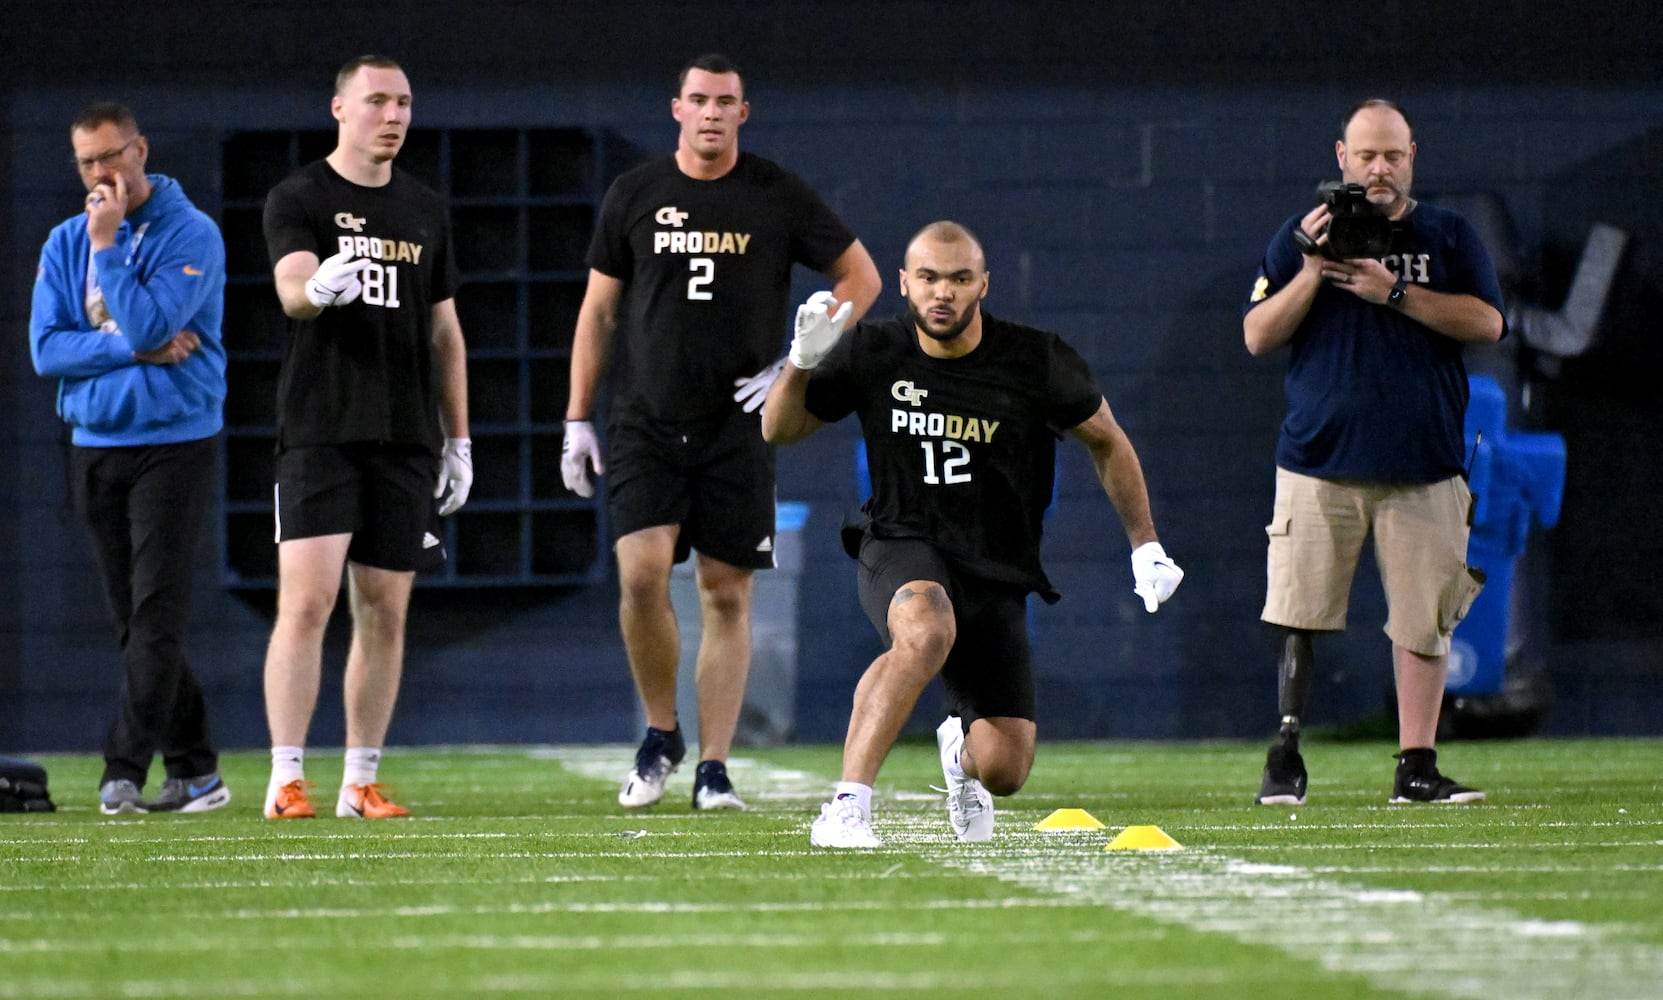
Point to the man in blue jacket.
(127, 308)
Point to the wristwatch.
(1395, 298)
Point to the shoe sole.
(125, 809)
(1465, 798)
(718, 802)
(1280, 800)
(213, 800)
(815, 841)
(346, 810)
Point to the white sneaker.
(969, 803)
(655, 761)
(712, 790)
(843, 825)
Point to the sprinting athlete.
(961, 414)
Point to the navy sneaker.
(192, 795)
(659, 756)
(1285, 779)
(1418, 780)
(712, 789)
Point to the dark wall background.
(1124, 163)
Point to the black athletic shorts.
(380, 494)
(718, 486)
(989, 671)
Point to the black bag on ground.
(23, 786)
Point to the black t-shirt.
(708, 271)
(962, 451)
(364, 371)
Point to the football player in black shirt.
(961, 413)
(372, 399)
(691, 262)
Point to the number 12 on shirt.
(954, 457)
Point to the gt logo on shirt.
(908, 393)
(346, 220)
(668, 216)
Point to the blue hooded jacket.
(166, 273)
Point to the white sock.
(287, 764)
(862, 795)
(361, 765)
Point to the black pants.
(145, 508)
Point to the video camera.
(1358, 227)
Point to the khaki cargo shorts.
(1316, 532)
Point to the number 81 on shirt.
(380, 284)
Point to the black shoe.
(660, 754)
(1284, 782)
(1418, 780)
(712, 789)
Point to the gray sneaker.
(192, 795)
(120, 796)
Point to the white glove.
(578, 453)
(817, 330)
(335, 282)
(1157, 576)
(455, 474)
(750, 393)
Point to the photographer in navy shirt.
(1372, 440)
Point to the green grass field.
(520, 876)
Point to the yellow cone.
(1069, 819)
(1143, 838)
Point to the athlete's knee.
(1002, 755)
(642, 585)
(921, 622)
(1007, 780)
(1003, 768)
(725, 595)
(383, 617)
(305, 611)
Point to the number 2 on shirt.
(704, 272)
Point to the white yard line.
(1399, 940)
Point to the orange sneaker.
(367, 802)
(290, 801)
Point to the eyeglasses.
(87, 163)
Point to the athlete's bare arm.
(597, 319)
(785, 418)
(450, 356)
(1120, 472)
(855, 279)
(291, 275)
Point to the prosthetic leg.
(1284, 778)
(1293, 682)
